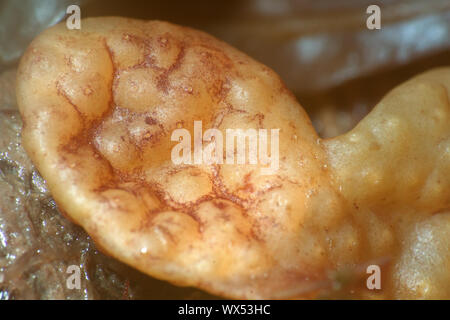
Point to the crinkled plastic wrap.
(322, 50)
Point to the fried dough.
(99, 106)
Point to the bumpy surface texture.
(99, 106)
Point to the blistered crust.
(99, 106)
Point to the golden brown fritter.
(99, 106)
